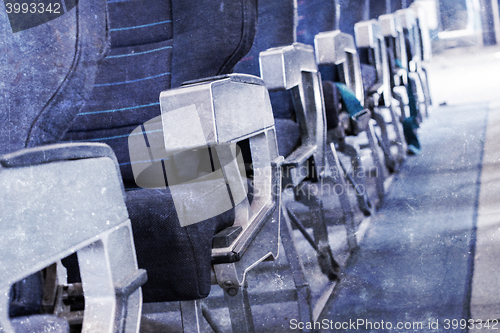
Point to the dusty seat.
(150, 54)
(65, 198)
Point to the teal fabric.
(349, 99)
(410, 124)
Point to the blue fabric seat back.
(47, 73)
(275, 27)
(313, 17)
(156, 45)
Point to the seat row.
(148, 157)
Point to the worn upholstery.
(369, 75)
(176, 258)
(46, 74)
(313, 17)
(275, 28)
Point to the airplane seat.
(372, 47)
(164, 46)
(166, 51)
(290, 73)
(287, 127)
(59, 198)
(404, 87)
(342, 84)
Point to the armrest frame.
(368, 35)
(294, 68)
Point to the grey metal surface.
(335, 48)
(282, 67)
(410, 28)
(227, 110)
(424, 30)
(80, 210)
(389, 25)
(368, 34)
(407, 18)
(294, 68)
(218, 113)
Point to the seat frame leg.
(297, 268)
(240, 310)
(384, 142)
(191, 316)
(358, 179)
(381, 174)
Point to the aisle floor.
(431, 254)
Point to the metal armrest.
(392, 28)
(338, 48)
(389, 25)
(81, 209)
(58, 153)
(299, 156)
(410, 29)
(240, 242)
(377, 88)
(368, 34)
(294, 68)
(214, 114)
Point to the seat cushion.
(287, 134)
(331, 96)
(26, 296)
(40, 323)
(176, 258)
(369, 74)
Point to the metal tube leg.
(337, 177)
(191, 315)
(377, 161)
(400, 141)
(210, 319)
(239, 309)
(297, 268)
(327, 262)
(311, 199)
(385, 143)
(359, 178)
(425, 89)
(402, 106)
